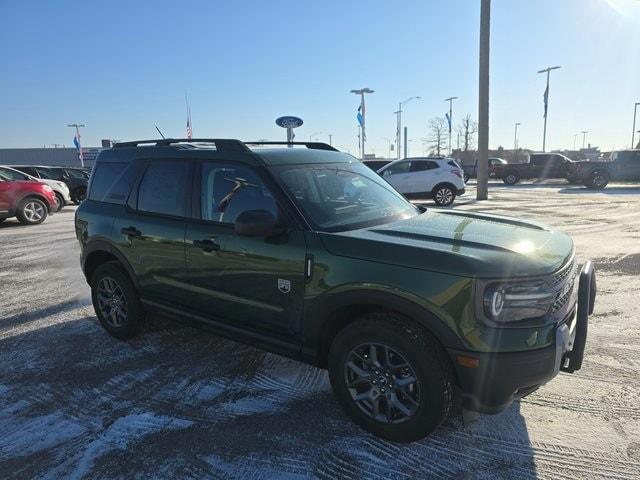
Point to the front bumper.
(490, 384)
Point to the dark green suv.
(304, 251)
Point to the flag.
(546, 101)
(189, 131)
(446, 115)
(76, 142)
(359, 116)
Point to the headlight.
(509, 302)
(63, 186)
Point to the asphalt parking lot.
(180, 403)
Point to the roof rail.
(309, 145)
(222, 144)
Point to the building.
(67, 157)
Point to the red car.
(29, 201)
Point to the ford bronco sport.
(308, 253)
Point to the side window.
(165, 188)
(29, 171)
(12, 174)
(111, 182)
(401, 167)
(421, 166)
(539, 160)
(227, 190)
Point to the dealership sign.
(289, 122)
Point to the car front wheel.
(511, 178)
(116, 301)
(32, 211)
(391, 377)
(598, 180)
(444, 195)
(59, 202)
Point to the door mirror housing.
(258, 223)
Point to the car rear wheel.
(444, 195)
(79, 195)
(31, 211)
(511, 178)
(391, 377)
(59, 202)
(115, 301)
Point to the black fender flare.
(321, 311)
(98, 245)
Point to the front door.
(398, 175)
(253, 281)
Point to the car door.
(150, 233)
(424, 176)
(249, 281)
(5, 196)
(399, 175)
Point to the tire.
(432, 391)
(444, 194)
(115, 301)
(31, 211)
(60, 202)
(597, 180)
(511, 178)
(79, 195)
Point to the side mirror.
(257, 223)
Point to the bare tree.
(437, 140)
(467, 129)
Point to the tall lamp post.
(515, 137)
(546, 104)
(450, 100)
(584, 137)
(361, 115)
(482, 190)
(399, 126)
(633, 130)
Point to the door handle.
(206, 245)
(131, 232)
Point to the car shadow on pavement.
(30, 315)
(616, 190)
(12, 223)
(179, 402)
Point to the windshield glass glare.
(345, 196)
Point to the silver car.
(63, 197)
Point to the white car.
(63, 196)
(430, 177)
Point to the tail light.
(457, 173)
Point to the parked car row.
(31, 193)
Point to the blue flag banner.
(359, 116)
(76, 142)
(446, 115)
(546, 100)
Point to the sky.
(121, 67)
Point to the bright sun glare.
(628, 8)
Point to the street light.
(584, 136)
(633, 130)
(78, 126)
(450, 100)
(515, 137)
(546, 104)
(399, 121)
(361, 92)
(390, 142)
(330, 135)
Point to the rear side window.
(111, 182)
(420, 166)
(165, 189)
(453, 163)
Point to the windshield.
(10, 174)
(345, 196)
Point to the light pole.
(330, 135)
(546, 104)
(515, 137)
(76, 141)
(361, 114)
(389, 142)
(575, 140)
(584, 136)
(482, 189)
(399, 126)
(633, 130)
(450, 100)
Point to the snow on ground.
(180, 403)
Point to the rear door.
(425, 174)
(151, 231)
(249, 281)
(5, 196)
(399, 175)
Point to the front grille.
(567, 275)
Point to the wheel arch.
(35, 195)
(98, 252)
(336, 311)
(443, 184)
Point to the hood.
(459, 243)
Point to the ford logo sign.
(289, 122)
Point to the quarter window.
(111, 182)
(228, 190)
(165, 189)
